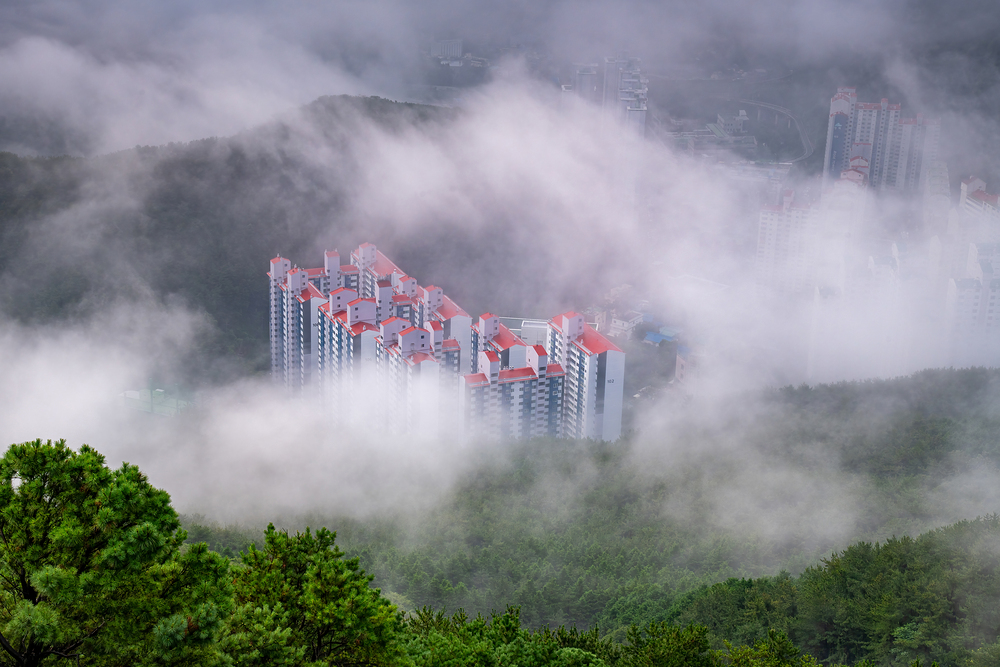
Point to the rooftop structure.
(369, 340)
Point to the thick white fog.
(540, 180)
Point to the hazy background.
(509, 202)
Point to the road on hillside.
(807, 147)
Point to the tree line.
(94, 569)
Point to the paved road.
(807, 147)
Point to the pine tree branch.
(18, 658)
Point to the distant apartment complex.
(893, 152)
(804, 245)
(625, 91)
(367, 332)
(622, 91)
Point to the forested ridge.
(582, 534)
(192, 223)
(841, 523)
(92, 570)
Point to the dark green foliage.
(90, 564)
(230, 541)
(741, 611)
(932, 598)
(499, 640)
(580, 534)
(773, 650)
(299, 602)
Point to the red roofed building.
(513, 403)
(595, 372)
(897, 151)
(377, 345)
(976, 203)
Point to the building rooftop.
(476, 380)
(450, 309)
(506, 339)
(594, 342)
(983, 196)
(516, 374)
(383, 265)
(418, 357)
(310, 292)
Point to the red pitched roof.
(506, 339)
(383, 265)
(348, 268)
(401, 298)
(361, 327)
(984, 196)
(310, 292)
(595, 342)
(492, 356)
(540, 350)
(450, 344)
(277, 259)
(417, 357)
(316, 272)
(436, 326)
(475, 380)
(553, 370)
(449, 308)
(515, 374)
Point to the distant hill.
(589, 533)
(193, 222)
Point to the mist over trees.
(153, 158)
(577, 534)
(600, 574)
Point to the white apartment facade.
(897, 151)
(369, 340)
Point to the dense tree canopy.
(306, 604)
(90, 564)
